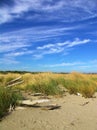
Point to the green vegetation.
(86, 87)
(46, 83)
(7, 97)
(49, 87)
(49, 83)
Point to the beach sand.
(76, 113)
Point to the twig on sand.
(85, 103)
(51, 107)
(36, 94)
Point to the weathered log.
(35, 103)
(15, 84)
(36, 94)
(14, 80)
(32, 103)
(51, 107)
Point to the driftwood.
(37, 94)
(15, 82)
(30, 103)
(35, 103)
(51, 107)
(85, 103)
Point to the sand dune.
(76, 113)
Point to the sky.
(48, 35)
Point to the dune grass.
(46, 83)
(49, 83)
(7, 97)
(48, 87)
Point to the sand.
(76, 113)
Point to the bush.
(84, 86)
(7, 97)
(4, 101)
(88, 88)
(49, 87)
(71, 86)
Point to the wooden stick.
(32, 103)
(10, 85)
(14, 80)
(85, 103)
(51, 107)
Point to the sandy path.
(71, 116)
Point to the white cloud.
(86, 66)
(36, 34)
(12, 47)
(38, 54)
(14, 43)
(91, 64)
(18, 53)
(45, 46)
(78, 42)
(8, 61)
(63, 47)
(47, 9)
(64, 64)
(11, 57)
(19, 43)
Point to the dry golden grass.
(48, 83)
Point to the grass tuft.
(7, 97)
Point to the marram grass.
(46, 83)
(49, 83)
(7, 97)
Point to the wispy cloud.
(24, 42)
(78, 42)
(36, 34)
(9, 47)
(86, 66)
(64, 64)
(11, 56)
(16, 41)
(18, 53)
(47, 9)
(47, 29)
(55, 48)
(19, 43)
(8, 61)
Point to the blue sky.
(48, 35)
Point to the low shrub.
(49, 87)
(7, 97)
(86, 87)
(71, 85)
